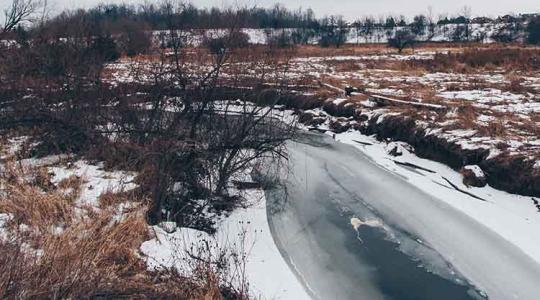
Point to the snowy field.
(497, 110)
(494, 109)
(246, 230)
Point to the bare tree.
(358, 29)
(206, 118)
(431, 24)
(368, 28)
(466, 13)
(389, 25)
(18, 12)
(334, 31)
(402, 39)
(509, 32)
(418, 25)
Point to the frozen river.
(352, 230)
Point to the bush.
(508, 33)
(302, 36)
(332, 38)
(233, 40)
(106, 47)
(402, 38)
(333, 32)
(63, 254)
(215, 45)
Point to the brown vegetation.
(48, 251)
(172, 127)
(473, 59)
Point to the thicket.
(172, 122)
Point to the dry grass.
(517, 85)
(28, 197)
(345, 50)
(71, 182)
(346, 66)
(63, 253)
(495, 129)
(111, 199)
(484, 58)
(83, 259)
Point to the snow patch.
(477, 171)
(246, 230)
(96, 180)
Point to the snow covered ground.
(514, 217)
(247, 231)
(499, 108)
(96, 180)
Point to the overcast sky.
(351, 9)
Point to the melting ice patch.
(414, 247)
(357, 223)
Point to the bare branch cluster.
(20, 11)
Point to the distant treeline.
(188, 16)
(158, 17)
(129, 26)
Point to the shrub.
(508, 33)
(402, 38)
(232, 40)
(61, 253)
(27, 203)
(238, 39)
(106, 47)
(215, 45)
(302, 36)
(333, 32)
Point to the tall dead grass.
(27, 196)
(473, 59)
(63, 253)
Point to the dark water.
(397, 275)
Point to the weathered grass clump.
(28, 197)
(53, 248)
